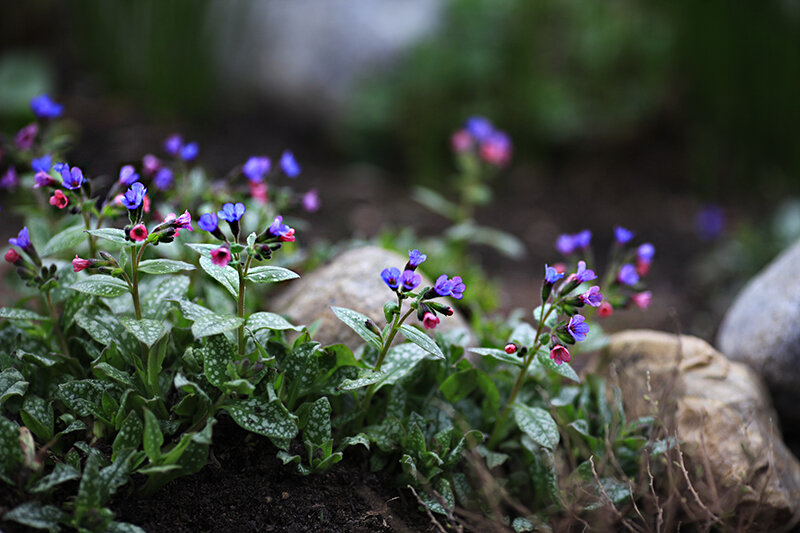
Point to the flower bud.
(370, 325)
(390, 309)
(605, 310)
(13, 257)
(430, 321)
(510, 348)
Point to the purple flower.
(183, 221)
(163, 178)
(645, 252)
(150, 164)
(43, 179)
(173, 144)
(479, 127)
(127, 175)
(565, 244)
(622, 235)
(710, 222)
(70, 178)
(42, 164)
(391, 276)
(578, 328)
(9, 179)
(627, 275)
(23, 239)
(551, 275)
(189, 151)
(208, 222)
(25, 137)
(443, 286)
(582, 239)
(458, 289)
(44, 107)
(311, 201)
(415, 258)
(279, 229)
(496, 149)
(256, 168)
(583, 274)
(134, 196)
(410, 280)
(231, 212)
(592, 297)
(289, 164)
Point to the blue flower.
(582, 239)
(45, 107)
(551, 275)
(71, 178)
(578, 328)
(189, 151)
(710, 222)
(415, 258)
(622, 235)
(42, 164)
(479, 127)
(565, 243)
(458, 289)
(173, 144)
(289, 164)
(592, 296)
(583, 274)
(645, 252)
(208, 222)
(410, 280)
(627, 275)
(134, 196)
(256, 168)
(443, 286)
(391, 276)
(127, 175)
(23, 239)
(163, 178)
(231, 212)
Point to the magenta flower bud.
(560, 354)
(430, 320)
(461, 141)
(642, 299)
(510, 348)
(79, 264)
(311, 201)
(43, 179)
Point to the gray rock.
(350, 280)
(761, 330)
(722, 415)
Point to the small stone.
(721, 410)
(351, 280)
(284, 495)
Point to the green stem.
(242, 273)
(135, 258)
(92, 244)
(54, 317)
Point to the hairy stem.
(240, 309)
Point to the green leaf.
(68, 239)
(202, 248)
(82, 397)
(110, 234)
(152, 437)
(265, 320)
(105, 328)
(270, 274)
(60, 474)
(105, 370)
(422, 340)
(123, 527)
(13, 313)
(163, 266)
(369, 377)
(208, 325)
(537, 424)
(457, 386)
(101, 285)
(400, 361)
(564, 369)
(435, 202)
(37, 415)
(227, 276)
(191, 310)
(12, 383)
(550, 321)
(146, 330)
(318, 428)
(498, 354)
(129, 436)
(158, 291)
(270, 419)
(524, 334)
(33, 514)
(356, 321)
(216, 354)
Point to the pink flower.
(221, 256)
(311, 201)
(461, 141)
(13, 257)
(138, 233)
(59, 199)
(182, 222)
(25, 137)
(642, 299)
(510, 348)
(642, 267)
(259, 191)
(150, 164)
(79, 264)
(430, 321)
(560, 354)
(146, 204)
(605, 310)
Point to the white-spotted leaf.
(208, 325)
(227, 276)
(270, 274)
(110, 234)
(163, 266)
(422, 340)
(67, 239)
(101, 285)
(357, 322)
(537, 424)
(13, 313)
(263, 320)
(146, 330)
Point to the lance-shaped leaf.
(264, 320)
(110, 234)
(216, 354)
(163, 266)
(146, 330)
(37, 415)
(227, 276)
(270, 419)
(13, 313)
(12, 383)
(208, 325)
(60, 474)
(422, 340)
(357, 322)
(68, 239)
(564, 369)
(101, 285)
(498, 354)
(537, 424)
(34, 514)
(270, 274)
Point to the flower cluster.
(268, 241)
(403, 283)
(257, 170)
(479, 135)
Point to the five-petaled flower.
(71, 178)
(181, 222)
(79, 264)
(23, 239)
(642, 299)
(163, 178)
(134, 196)
(45, 107)
(391, 276)
(256, 168)
(479, 128)
(496, 149)
(138, 233)
(461, 141)
(42, 164)
(59, 199)
(410, 280)
(173, 144)
(231, 212)
(43, 179)
(221, 256)
(189, 151)
(430, 321)
(128, 175)
(578, 328)
(551, 275)
(622, 235)
(565, 243)
(281, 230)
(311, 201)
(416, 258)
(583, 274)
(582, 239)
(627, 275)
(9, 179)
(560, 354)
(592, 297)
(289, 164)
(150, 164)
(208, 222)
